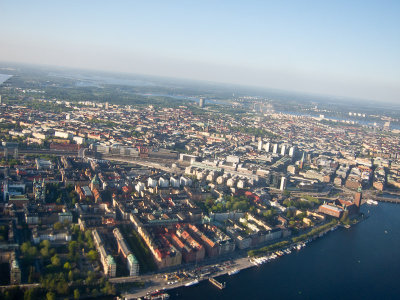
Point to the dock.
(217, 283)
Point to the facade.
(331, 210)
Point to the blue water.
(179, 97)
(4, 77)
(357, 121)
(362, 262)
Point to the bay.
(362, 262)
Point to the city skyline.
(341, 49)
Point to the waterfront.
(357, 263)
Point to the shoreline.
(242, 263)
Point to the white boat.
(372, 202)
(192, 282)
(233, 272)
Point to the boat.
(372, 202)
(193, 282)
(217, 283)
(157, 295)
(233, 272)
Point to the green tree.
(57, 226)
(50, 296)
(76, 294)
(25, 247)
(90, 277)
(45, 252)
(67, 266)
(95, 292)
(71, 276)
(92, 255)
(45, 243)
(55, 260)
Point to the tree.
(57, 226)
(31, 275)
(44, 252)
(50, 296)
(33, 251)
(71, 276)
(55, 261)
(67, 266)
(76, 294)
(92, 254)
(25, 247)
(90, 277)
(72, 246)
(95, 292)
(31, 294)
(45, 243)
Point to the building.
(275, 148)
(331, 210)
(133, 265)
(15, 270)
(132, 262)
(202, 102)
(283, 150)
(283, 183)
(108, 262)
(358, 198)
(260, 145)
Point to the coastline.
(159, 283)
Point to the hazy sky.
(345, 48)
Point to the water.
(4, 77)
(180, 97)
(362, 262)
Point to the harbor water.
(362, 262)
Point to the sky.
(344, 48)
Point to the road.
(157, 282)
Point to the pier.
(217, 283)
(387, 199)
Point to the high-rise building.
(106, 106)
(267, 147)
(201, 102)
(260, 144)
(302, 162)
(283, 150)
(275, 148)
(292, 151)
(283, 183)
(358, 198)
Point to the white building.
(174, 182)
(260, 144)
(283, 183)
(162, 182)
(139, 187)
(283, 150)
(275, 148)
(292, 151)
(151, 182)
(184, 181)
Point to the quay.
(388, 199)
